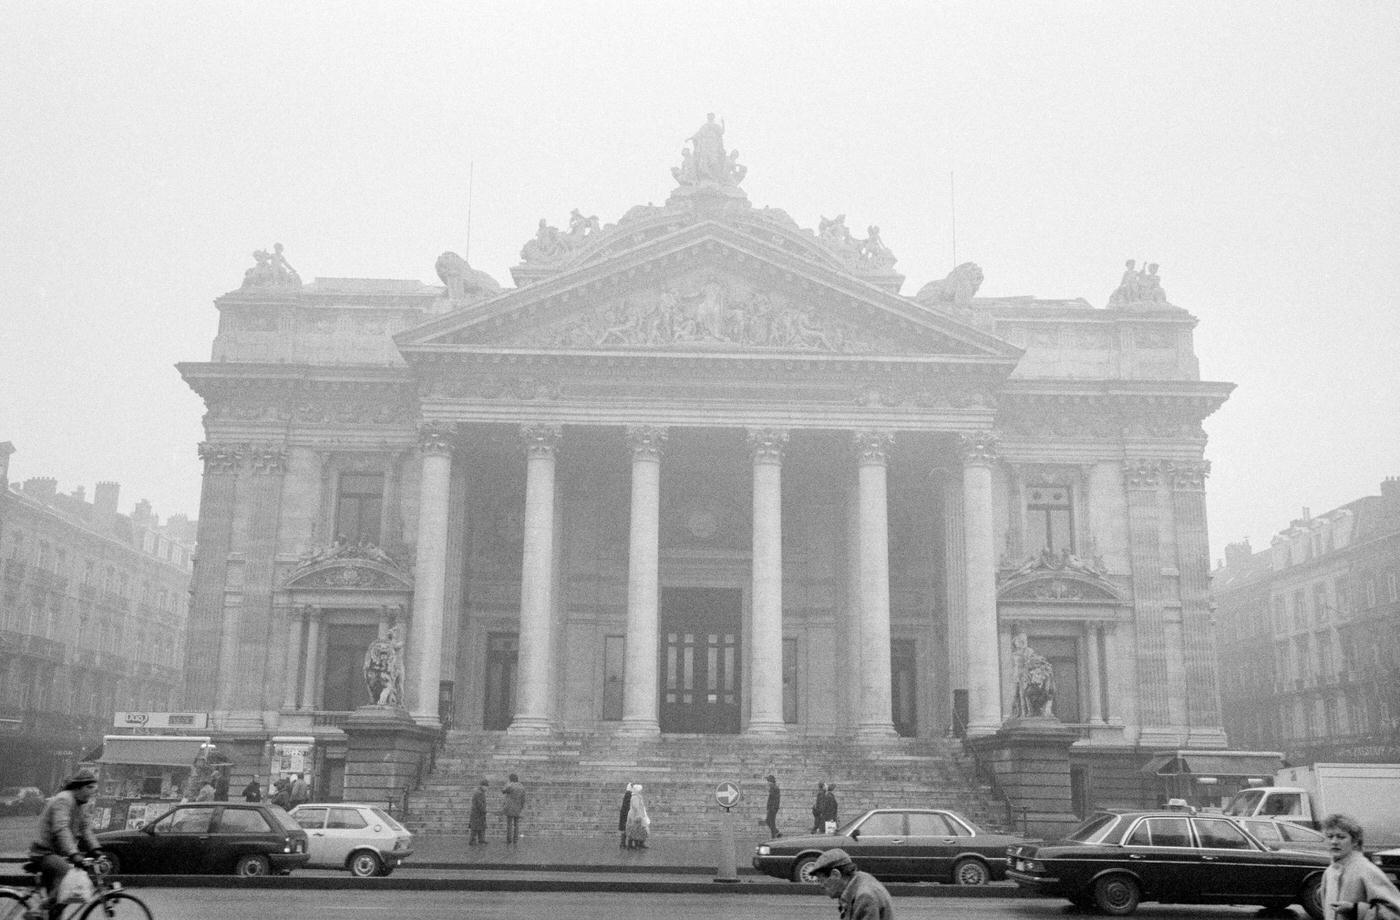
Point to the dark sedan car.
(210, 837)
(1115, 861)
(898, 844)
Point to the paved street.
(204, 904)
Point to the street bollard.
(725, 870)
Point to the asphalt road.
(215, 904)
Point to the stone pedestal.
(386, 753)
(1030, 758)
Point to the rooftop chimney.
(41, 487)
(79, 494)
(6, 448)
(1238, 553)
(104, 505)
(141, 515)
(1390, 494)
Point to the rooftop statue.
(271, 269)
(553, 245)
(958, 288)
(1138, 286)
(462, 281)
(706, 162)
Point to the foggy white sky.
(1252, 149)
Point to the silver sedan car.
(345, 835)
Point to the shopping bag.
(829, 828)
(75, 888)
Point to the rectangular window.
(1300, 609)
(1322, 611)
(1391, 589)
(357, 513)
(1339, 591)
(1049, 523)
(1370, 592)
(1280, 614)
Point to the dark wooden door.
(904, 687)
(502, 652)
(700, 677)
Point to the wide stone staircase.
(575, 780)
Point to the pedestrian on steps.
(622, 816)
(638, 821)
(476, 821)
(514, 795)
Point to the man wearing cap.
(860, 894)
(64, 826)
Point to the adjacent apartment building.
(93, 606)
(1309, 651)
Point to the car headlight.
(763, 849)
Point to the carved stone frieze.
(347, 575)
(646, 441)
(541, 440)
(220, 457)
(1188, 475)
(1142, 473)
(1049, 474)
(767, 444)
(978, 448)
(872, 446)
(268, 458)
(437, 437)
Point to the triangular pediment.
(711, 286)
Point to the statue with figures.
(1035, 681)
(1138, 287)
(706, 165)
(384, 668)
(271, 270)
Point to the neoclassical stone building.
(703, 470)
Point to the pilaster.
(205, 665)
(1188, 480)
(1142, 478)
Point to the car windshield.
(845, 829)
(388, 821)
(281, 817)
(1093, 830)
(1245, 802)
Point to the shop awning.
(1214, 763)
(152, 752)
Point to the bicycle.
(109, 900)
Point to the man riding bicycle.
(65, 825)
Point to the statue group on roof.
(1138, 286)
(869, 253)
(271, 269)
(706, 160)
(551, 244)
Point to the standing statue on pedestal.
(1035, 681)
(706, 162)
(384, 668)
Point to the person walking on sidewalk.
(1352, 881)
(829, 809)
(775, 799)
(476, 821)
(514, 795)
(638, 821)
(622, 816)
(253, 791)
(861, 895)
(817, 807)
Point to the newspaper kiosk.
(143, 776)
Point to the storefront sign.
(161, 720)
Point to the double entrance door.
(701, 687)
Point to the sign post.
(727, 795)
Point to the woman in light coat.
(638, 822)
(1352, 879)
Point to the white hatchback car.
(346, 835)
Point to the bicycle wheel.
(13, 904)
(115, 905)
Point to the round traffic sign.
(727, 795)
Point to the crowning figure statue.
(710, 159)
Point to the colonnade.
(640, 693)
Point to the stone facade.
(1309, 654)
(92, 620)
(703, 470)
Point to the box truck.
(1368, 792)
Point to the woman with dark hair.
(1353, 881)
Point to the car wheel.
(108, 864)
(254, 864)
(802, 871)
(970, 871)
(1311, 897)
(1117, 895)
(365, 865)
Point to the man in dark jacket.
(622, 815)
(513, 806)
(775, 799)
(861, 895)
(476, 821)
(65, 830)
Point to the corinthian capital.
(436, 437)
(767, 444)
(541, 440)
(1188, 475)
(1142, 473)
(872, 445)
(219, 457)
(978, 448)
(268, 458)
(646, 441)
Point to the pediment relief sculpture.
(348, 564)
(1063, 576)
(710, 310)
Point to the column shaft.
(313, 658)
(430, 573)
(295, 619)
(639, 686)
(1095, 674)
(532, 710)
(876, 718)
(766, 621)
(983, 649)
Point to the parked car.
(257, 838)
(898, 844)
(1116, 860)
(1285, 835)
(21, 800)
(361, 838)
(1389, 861)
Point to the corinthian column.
(639, 699)
(766, 624)
(872, 513)
(979, 451)
(435, 440)
(532, 709)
